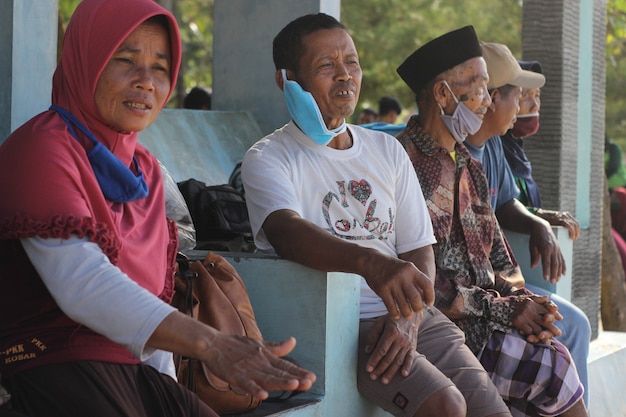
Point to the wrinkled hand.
(392, 343)
(255, 367)
(561, 218)
(403, 288)
(543, 245)
(534, 317)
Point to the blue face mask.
(463, 120)
(116, 180)
(305, 112)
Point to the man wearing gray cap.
(478, 283)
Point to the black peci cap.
(439, 55)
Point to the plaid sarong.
(533, 379)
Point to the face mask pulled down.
(526, 125)
(463, 121)
(117, 182)
(305, 112)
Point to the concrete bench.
(320, 309)
(207, 145)
(200, 144)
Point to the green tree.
(387, 31)
(195, 21)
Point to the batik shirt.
(471, 249)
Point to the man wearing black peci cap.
(478, 284)
(459, 104)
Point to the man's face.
(330, 71)
(506, 106)
(530, 101)
(470, 86)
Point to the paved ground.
(607, 375)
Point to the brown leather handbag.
(213, 292)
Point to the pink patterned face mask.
(526, 125)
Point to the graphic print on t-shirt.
(350, 212)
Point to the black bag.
(235, 179)
(220, 216)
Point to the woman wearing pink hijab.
(87, 253)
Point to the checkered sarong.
(533, 379)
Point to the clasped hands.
(534, 317)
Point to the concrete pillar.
(567, 37)
(28, 42)
(243, 70)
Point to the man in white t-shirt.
(335, 197)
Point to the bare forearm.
(181, 334)
(303, 242)
(543, 244)
(247, 364)
(402, 287)
(515, 217)
(424, 259)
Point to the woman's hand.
(250, 366)
(255, 367)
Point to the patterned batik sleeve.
(457, 300)
(478, 312)
(501, 255)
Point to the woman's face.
(136, 81)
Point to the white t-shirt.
(368, 194)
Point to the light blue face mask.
(116, 180)
(305, 112)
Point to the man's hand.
(561, 218)
(543, 245)
(401, 285)
(392, 344)
(534, 317)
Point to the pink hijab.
(96, 30)
(47, 186)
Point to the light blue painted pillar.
(585, 112)
(243, 70)
(28, 45)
